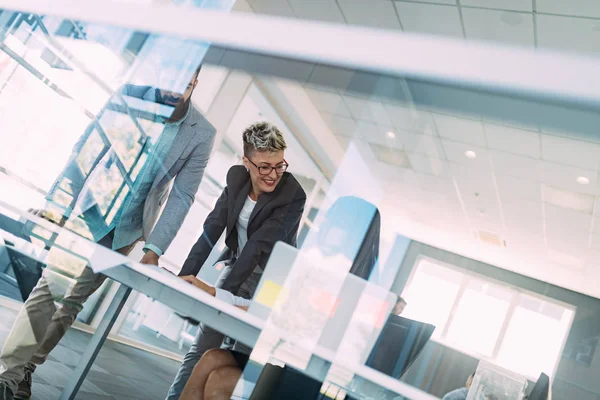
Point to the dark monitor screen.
(541, 388)
(400, 342)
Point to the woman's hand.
(199, 284)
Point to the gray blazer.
(183, 166)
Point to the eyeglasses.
(266, 170)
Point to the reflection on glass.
(489, 187)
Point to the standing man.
(179, 156)
(261, 205)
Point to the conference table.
(168, 289)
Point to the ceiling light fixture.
(391, 135)
(582, 180)
(470, 154)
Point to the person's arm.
(278, 226)
(220, 294)
(214, 225)
(179, 202)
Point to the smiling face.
(263, 183)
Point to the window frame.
(516, 295)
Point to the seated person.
(399, 306)
(460, 394)
(218, 371)
(214, 377)
(262, 204)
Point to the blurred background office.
(490, 222)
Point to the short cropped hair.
(263, 137)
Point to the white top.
(242, 230)
(242, 223)
(229, 298)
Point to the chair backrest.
(27, 271)
(541, 388)
(285, 383)
(398, 345)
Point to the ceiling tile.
(478, 193)
(455, 152)
(572, 200)
(508, 27)
(515, 5)
(582, 8)
(514, 189)
(407, 118)
(568, 255)
(319, 10)
(571, 152)
(242, 6)
(476, 178)
(596, 241)
(511, 124)
(518, 166)
(511, 140)
(586, 137)
(342, 126)
(390, 156)
(460, 129)
(272, 7)
(562, 219)
(453, 2)
(568, 33)
(378, 134)
(523, 217)
(420, 144)
(343, 141)
(489, 222)
(430, 18)
(378, 14)
(330, 78)
(436, 185)
(328, 102)
(428, 165)
(564, 177)
(368, 110)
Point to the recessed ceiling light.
(470, 154)
(582, 180)
(391, 135)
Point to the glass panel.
(480, 200)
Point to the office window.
(487, 319)
(431, 278)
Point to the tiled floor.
(120, 372)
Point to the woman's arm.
(214, 225)
(229, 298)
(199, 284)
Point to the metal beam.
(514, 71)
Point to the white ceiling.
(561, 24)
(522, 185)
